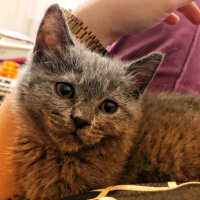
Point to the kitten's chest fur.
(44, 169)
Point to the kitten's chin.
(70, 147)
(88, 138)
(66, 142)
(73, 141)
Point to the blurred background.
(24, 16)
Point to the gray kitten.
(85, 123)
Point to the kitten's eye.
(65, 90)
(109, 107)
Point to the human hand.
(112, 19)
(191, 11)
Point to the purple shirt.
(180, 70)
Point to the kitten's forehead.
(98, 76)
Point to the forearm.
(112, 19)
(8, 129)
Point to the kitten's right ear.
(53, 33)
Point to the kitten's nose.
(80, 123)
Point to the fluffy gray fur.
(53, 157)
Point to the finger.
(172, 19)
(192, 12)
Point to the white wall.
(24, 16)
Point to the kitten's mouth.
(78, 135)
(83, 138)
(74, 137)
(74, 134)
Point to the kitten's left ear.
(143, 70)
(53, 33)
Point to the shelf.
(10, 50)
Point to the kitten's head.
(79, 98)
